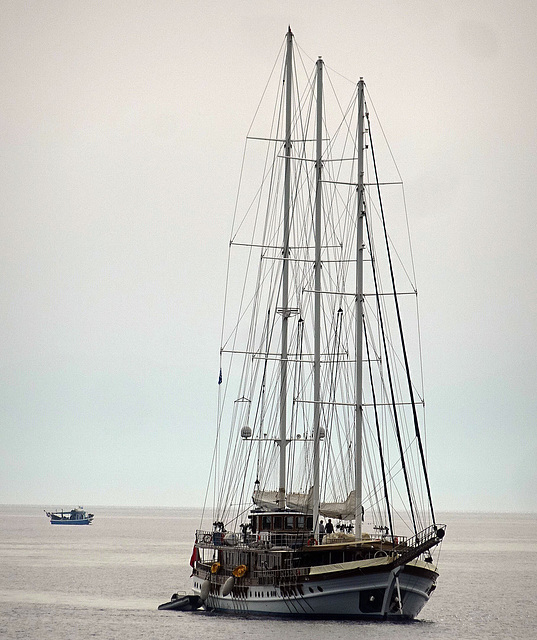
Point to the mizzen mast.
(317, 301)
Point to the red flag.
(195, 556)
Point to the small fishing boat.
(74, 516)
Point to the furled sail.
(342, 510)
(268, 500)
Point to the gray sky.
(122, 126)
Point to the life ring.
(240, 571)
(207, 538)
(215, 567)
(312, 542)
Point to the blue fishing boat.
(74, 516)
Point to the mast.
(359, 313)
(285, 274)
(317, 301)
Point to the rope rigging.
(403, 343)
(252, 463)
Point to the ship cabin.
(274, 541)
(281, 529)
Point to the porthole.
(371, 600)
(320, 589)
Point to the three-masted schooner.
(322, 503)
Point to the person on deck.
(321, 532)
(329, 528)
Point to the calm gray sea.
(106, 581)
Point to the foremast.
(285, 312)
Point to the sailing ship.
(321, 499)
(74, 516)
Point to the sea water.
(107, 579)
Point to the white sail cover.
(268, 500)
(342, 510)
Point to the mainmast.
(285, 312)
(317, 301)
(359, 313)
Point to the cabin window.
(289, 522)
(277, 524)
(310, 523)
(265, 523)
(300, 522)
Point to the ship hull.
(397, 594)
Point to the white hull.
(74, 516)
(375, 595)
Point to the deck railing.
(268, 539)
(261, 577)
(404, 548)
(413, 547)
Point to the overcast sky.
(122, 127)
